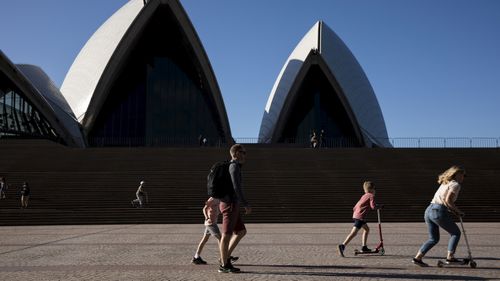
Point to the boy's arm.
(373, 205)
(205, 212)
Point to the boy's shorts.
(231, 218)
(358, 223)
(212, 229)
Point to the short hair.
(235, 149)
(450, 174)
(368, 186)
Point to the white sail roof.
(346, 70)
(88, 67)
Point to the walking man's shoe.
(231, 259)
(228, 268)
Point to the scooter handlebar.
(459, 214)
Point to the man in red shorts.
(233, 228)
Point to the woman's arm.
(449, 202)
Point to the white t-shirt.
(443, 191)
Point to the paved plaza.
(269, 252)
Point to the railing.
(304, 142)
(153, 141)
(417, 142)
(191, 142)
(437, 142)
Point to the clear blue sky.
(434, 64)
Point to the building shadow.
(395, 276)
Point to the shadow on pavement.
(319, 266)
(371, 275)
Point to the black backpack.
(219, 182)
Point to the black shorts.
(358, 223)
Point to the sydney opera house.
(144, 79)
(322, 87)
(142, 91)
(31, 106)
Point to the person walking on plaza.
(211, 213)
(233, 228)
(25, 195)
(141, 196)
(3, 188)
(439, 214)
(360, 211)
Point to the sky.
(434, 64)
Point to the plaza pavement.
(269, 252)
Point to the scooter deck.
(459, 263)
(380, 251)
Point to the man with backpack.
(233, 228)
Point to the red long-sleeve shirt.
(364, 204)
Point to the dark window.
(159, 97)
(317, 107)
(18, 117)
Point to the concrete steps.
(284, 184)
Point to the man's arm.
(234, 171)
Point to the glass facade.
(160, 96)
(317, 108)
(18, 117)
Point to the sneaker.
(228, 268)
(419, 262)
(230, 259)
(340, 249)
(198, 260)
(454, 260)
(365, 249)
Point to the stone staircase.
(283, 184)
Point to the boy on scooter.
(360, 210)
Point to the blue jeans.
(437, 215)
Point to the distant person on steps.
(25, 195)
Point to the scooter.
(380, 247)
(469, 261)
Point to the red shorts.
(231, 218)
